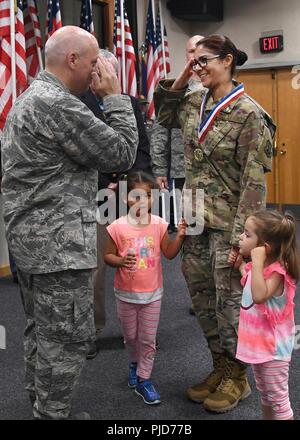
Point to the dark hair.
(135, 177)
(279, 231)
(221, 45)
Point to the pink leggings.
(272, 383)
(139, 324)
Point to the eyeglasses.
(202, 62)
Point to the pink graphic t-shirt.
(143, 283)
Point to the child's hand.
(128, 261)
(259, 254)
(235, 258)
(181, 227)
(233, 255)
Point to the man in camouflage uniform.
(229, 165)
(52, 149)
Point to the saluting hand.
(104, 79)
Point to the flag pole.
(39, 53)
(13, 50)
(123, 46)
(174, 203)
(162, 27)
(153, 14)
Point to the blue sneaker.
(132, 377)
(147, 391)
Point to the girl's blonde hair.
(279, 231)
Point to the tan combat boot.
(233, 388)
(199, 392)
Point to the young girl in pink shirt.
(134, 248)
(266, 326)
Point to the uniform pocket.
(215, 136)
(88, 220)
(54, 312)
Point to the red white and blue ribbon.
(206, 124)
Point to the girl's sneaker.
(132, 377)
(147, 391)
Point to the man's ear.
(72, 59)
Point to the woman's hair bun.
(241, 58)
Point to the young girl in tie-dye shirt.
(134, 248)
(266, 326)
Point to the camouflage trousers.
(60, 324)
(214, 287)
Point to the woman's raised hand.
(182, 80)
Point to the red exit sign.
(271, 44)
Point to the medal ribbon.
(205, 125)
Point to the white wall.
(245, 20)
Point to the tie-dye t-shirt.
(266, 331)
(143, 283)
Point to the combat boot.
(233, 388)
(199, 392)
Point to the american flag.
(159, 44)
(130, 87)
(6, 92)
(21, 69)
(152, 60)
(33, 38)
(167, 53)
(86, 16)
(53, 18)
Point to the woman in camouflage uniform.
(228, 147)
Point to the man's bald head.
(71, 54)
(65, 40)
(191, 46)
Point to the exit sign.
(271, 44)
